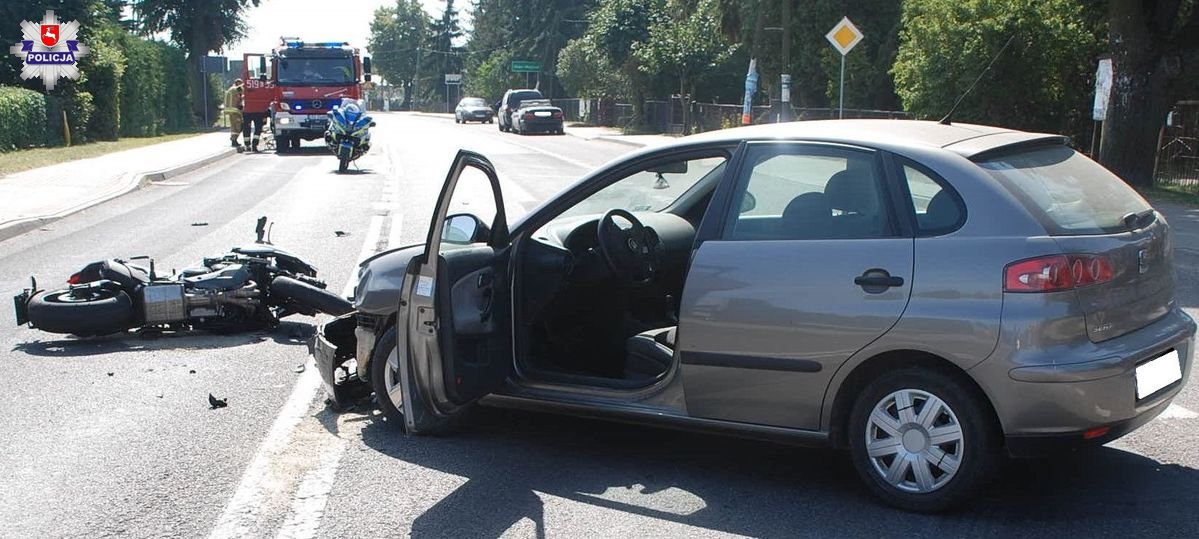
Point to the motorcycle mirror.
(373, 124)
(260, 229)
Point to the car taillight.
(75, 279)
(1055, 273)
(529, 116)
(557, 115)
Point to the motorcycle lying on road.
(348, 135)
(248, 289)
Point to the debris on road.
(110, 374)
(200, 224)
(298, 368)
(191, 371)
(340, 233)
(214, 403)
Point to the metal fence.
(1177, 163)
(676, 117)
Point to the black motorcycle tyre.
(310, 296)
(110, 312)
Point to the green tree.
(534, 30)
(619, 28)
(1155, 59)
(198, 27)
(441, 54)
(397, 35)
(1040, 83)
(586, 72)
(686, 46)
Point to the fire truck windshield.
(316, 71)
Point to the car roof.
(968, 140)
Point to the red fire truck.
(298, 82)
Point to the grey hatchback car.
(930, 297)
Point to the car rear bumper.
(1089, 399)
(540, 125)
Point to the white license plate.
(543, 114)
(1158, 373)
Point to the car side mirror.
(748, 202)
(464, 229)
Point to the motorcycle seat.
(129, 276)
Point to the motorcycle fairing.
(286, 260)
(228, 278)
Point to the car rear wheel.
(922, 441)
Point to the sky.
(316, 20)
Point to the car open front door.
(455, 325)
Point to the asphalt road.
(114, 436)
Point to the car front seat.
(649, 353)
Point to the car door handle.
(877, 279)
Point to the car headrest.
(853, 191)
(808, 216)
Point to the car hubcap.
(391, 380)
(914, 441)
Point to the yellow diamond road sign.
(844, 36)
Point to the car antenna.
(948, 115)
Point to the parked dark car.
(508, 104)
(537, 116)
(930, 297)
(473, 109)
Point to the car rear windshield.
(473, 102)
(517, 97)
(1069, 193)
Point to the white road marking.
(1175, 411)
(313, 494)
(242, 512)
(557, 156)
(368, 248)
(395, 233)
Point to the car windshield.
(649, 190)
(473, 102)
(316, 71)
(1068, 193)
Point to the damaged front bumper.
(333, 345)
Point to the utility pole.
(785, 86)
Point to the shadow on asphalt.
(287, 333)
(304, 150)
(762, 489)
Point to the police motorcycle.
(348, 135)
(250, 288)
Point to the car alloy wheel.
(391, 380)
(914, 441)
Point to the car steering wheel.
(631, 253)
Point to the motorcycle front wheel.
(96, 312)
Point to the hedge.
(22, 118)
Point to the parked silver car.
(931, 297)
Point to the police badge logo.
(50, 50)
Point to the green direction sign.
(525, 66)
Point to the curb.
(132, 182)
(618, 140)
(441, 115)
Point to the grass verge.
(21, 160)
(1172, 194)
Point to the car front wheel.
(922, 441)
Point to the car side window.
(937, 207)
(807, 192)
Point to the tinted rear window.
(517, 97)
(473, 102)
(1069, 193)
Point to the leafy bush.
(22, 118)
(104, 67)
(177, 114)
(143, 90)
(79, 109)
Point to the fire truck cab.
(299, 82)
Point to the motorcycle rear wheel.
(310, 297)
(98, 313)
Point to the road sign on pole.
(844, 37)
(525, 66)
(453, 78)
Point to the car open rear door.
(455, 325)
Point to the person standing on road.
(233, 106)
(256, 118)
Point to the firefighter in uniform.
(255, 118)
(233, 105)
